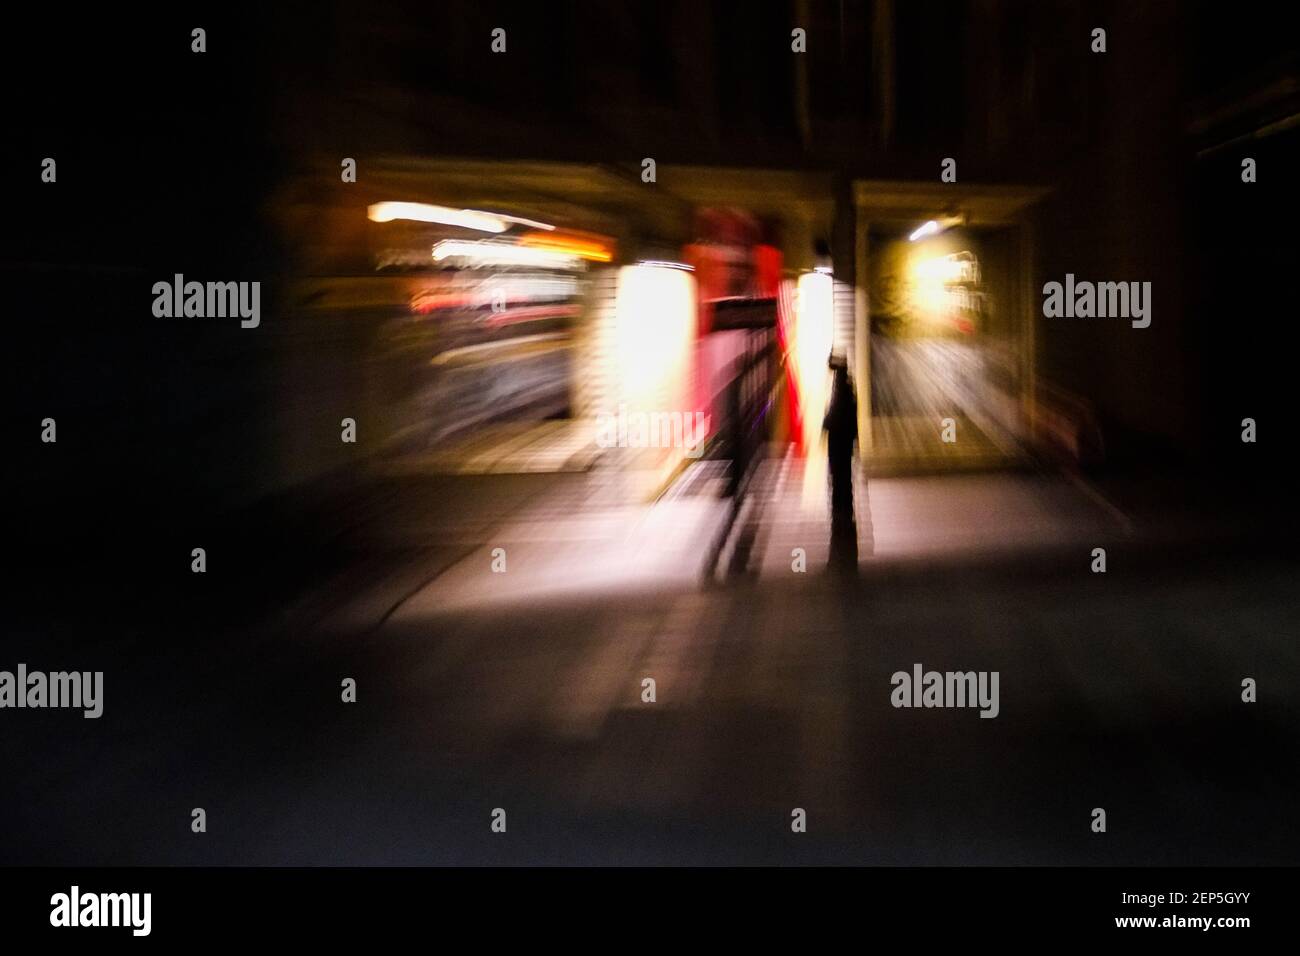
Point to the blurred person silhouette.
(841, 427)
(738, 440)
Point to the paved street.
(523, 690)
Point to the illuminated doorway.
(944, 325)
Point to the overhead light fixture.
(446, 216)
(666, 264)
(423, 212)
(524, 222)
(590, 248)
(929, 228)
(488, 252)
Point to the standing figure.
(841, 426)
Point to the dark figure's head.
(840, 366)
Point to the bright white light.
(814, 333)
(928, 229)
(423, 212)
(524, 222)
(489, 253)
(940, 270)
(655, 319)
(666, 264)
(469, 218)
